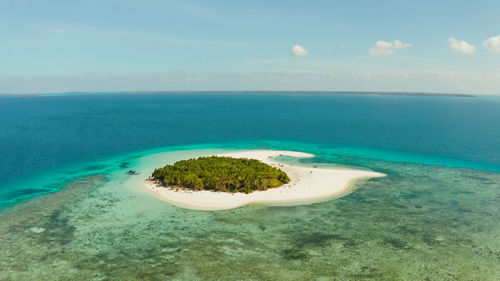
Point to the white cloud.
(461, 47)
(492, 44)
(299, 51)
(383, 48)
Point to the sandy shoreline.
(307, 185)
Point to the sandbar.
(307, 185)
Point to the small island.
(224, 174)
(234, 179)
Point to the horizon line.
(393, 93)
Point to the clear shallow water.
(428, 220)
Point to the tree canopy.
(221, 174)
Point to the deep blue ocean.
(46, 133)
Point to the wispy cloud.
(383, 48)
(461, 46)
(91, 31)
(422, 80)
(199, 12)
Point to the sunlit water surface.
(432, 218)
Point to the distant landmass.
(262, 92)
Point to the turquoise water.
(434, 217)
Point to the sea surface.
(70, 211)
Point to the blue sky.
(111, 45)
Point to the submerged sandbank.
(306, 185)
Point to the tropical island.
(231, 180)
(219, 173)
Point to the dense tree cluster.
(221, 174)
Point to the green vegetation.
(221, 174)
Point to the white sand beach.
(306, 185)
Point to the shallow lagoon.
(421, 222)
